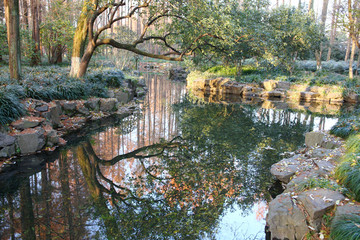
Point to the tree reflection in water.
(174, 188)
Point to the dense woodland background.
(279, 32)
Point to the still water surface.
(178, 169)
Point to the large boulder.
(93, 104)
(285, 219)
(313, 139)
(108, 104)
(286, 168)
(53, 115)
(270, 85)
(7, 145)
(31, 140)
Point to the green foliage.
(224, 71)
(3, 40)
(346, 227)
(312, 183)
(57, 30)
(346, 127)
(348, 172)
(10, 107)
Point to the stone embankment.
(272, 89)
(47, 122)
(310, 192)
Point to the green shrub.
(345, 127)
(312, 183)
(346, 227)
(348, 172)
(223, 71)
(10, 108)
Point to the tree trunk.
(25, 17)
(348, 47)
(333, 29)
(35, 58)
(323, 21)
(357, 65)
(353, 49)
(311, 5)
(13, 37)
(318, 59)
(79, 41)
(84, 63)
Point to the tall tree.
(13, 36)
(353, 15)
(25, 13)
(311, 5)
(333, 28)
(194, 17)
(35, 7)
(318, 54)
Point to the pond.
(178, 169)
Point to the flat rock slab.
(298, 181)
(287, 167)
(43, 108)
(317, 202)
(325, 166)
(285, 219)
(27, 122)
(320, 152)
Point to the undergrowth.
(346, 227)
(348, 172)
(51, 83)
(346, 127)
(312, 183)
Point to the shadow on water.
(177, 170)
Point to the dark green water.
(176, 170)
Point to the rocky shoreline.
(275, 89)
(310, 191)
(47, 123)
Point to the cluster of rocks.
(178, 74)
(48, 122)
(275, 89)
(297, 211)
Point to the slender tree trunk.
(348, 48)
(333, 29)
(84, 63)
(35, 58)
(2, 12)
(13, 37)
(357, 65)
(311, 5)
(318, 55)
(353, 49)
(25, 17)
